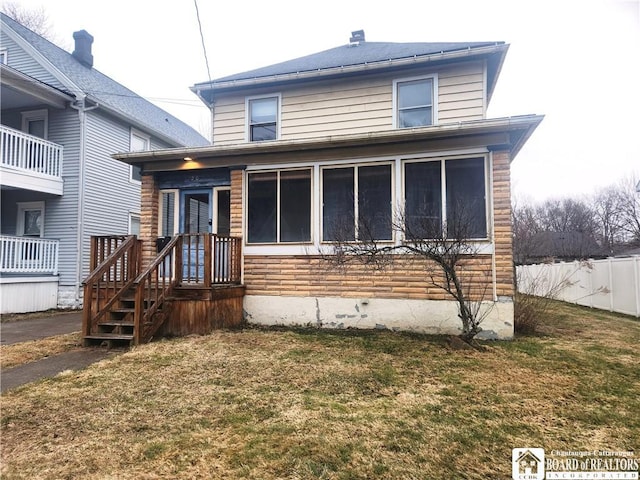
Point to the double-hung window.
(414, 102)
(262, 114)
(445, 193)
(356, 203)
(279, 206)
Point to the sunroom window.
(279, 206)
(462, 208)
(356, 203)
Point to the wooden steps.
(117, 328)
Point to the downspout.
(79, 105)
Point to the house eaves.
(25, 84)
(74, 89)
(515, 130)
(494, 52)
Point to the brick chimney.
(356, 38)
(82, 52)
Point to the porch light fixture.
(188, 159)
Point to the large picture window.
(356, 203)
(462, 208)
(415, 102)
(279, 206)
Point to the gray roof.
(110, 94)
(347, 55)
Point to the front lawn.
(266, 404)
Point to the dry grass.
(19, 353)
(304, 404)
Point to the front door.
(196, 217)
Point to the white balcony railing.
(28, 255)
(21, 151)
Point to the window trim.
(176, 210)
(35, 115)
(488, 195)
(247, 122)
(310, 169)
(434, 107)
(133, 215)
(4, 56)
(356, 211)
(22, 207)
(147, 139)
(214, 206)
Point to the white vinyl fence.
(611, 284)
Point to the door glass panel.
(196, 213)
(36, 128)
(32, 223)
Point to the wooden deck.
(191, 287)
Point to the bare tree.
(630, 208)
(447, 248)
(607, 206)
(35, 19)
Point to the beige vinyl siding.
(461, 93)
(337, 108)
(355, 106)
(229, 124)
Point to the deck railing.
(19, 150)
(28, 255)
(210, 259)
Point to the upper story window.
(263, 118)
(3, 56)
(138, 142)
(36, 123)
(415, 102)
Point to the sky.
(575, 61)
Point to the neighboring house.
(61, 121)
(348, 133)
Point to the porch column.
(236, 201)
(149, 218)
(502, 223)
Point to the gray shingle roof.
(111, 94)
(346, 55)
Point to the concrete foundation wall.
(423, 316)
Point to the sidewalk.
(37, 328)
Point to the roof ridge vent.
(356, 38)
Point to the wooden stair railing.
(112, 275)
(126, 305)
(153, 287)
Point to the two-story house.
(330, 139)
(61, 121)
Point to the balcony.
(28, 256)
(29, 162)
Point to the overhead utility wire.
(204, 48)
